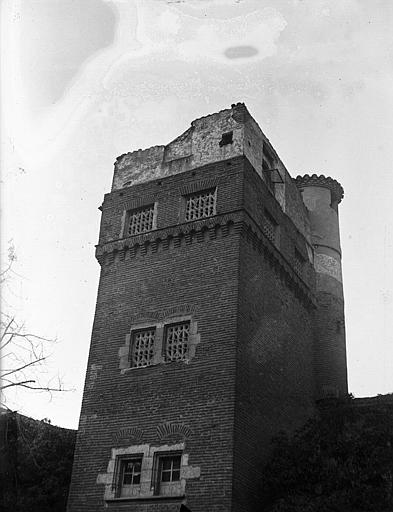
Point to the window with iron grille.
(269, 227)
(168, 474)
(129, 477)
(201, 204)
(140, 220)
(142, 351)
(298, 262)
(176, 342)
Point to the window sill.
(163, 362)
(175, 497)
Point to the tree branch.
(24, 366)
(17, 384)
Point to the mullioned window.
(173, 340)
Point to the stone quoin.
(219, 321)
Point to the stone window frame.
(148, 487)
(159, 341)
(136, 208)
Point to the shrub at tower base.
(340, 461)
(36, 461)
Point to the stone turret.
(321, 196)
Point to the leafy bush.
(341, 460)
(37, 463)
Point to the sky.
(83, 82)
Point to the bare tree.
(23, 354)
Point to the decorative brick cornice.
(321, 181)
(259, 241)
(209, 229)
(204, 231)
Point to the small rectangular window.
(140, 220)
(176, 342)
(129, 476)
(168, 474)
(142, 349)
(269, 227)
(201, 205)
(227, 138)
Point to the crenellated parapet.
(337, 191)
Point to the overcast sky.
(85, 81)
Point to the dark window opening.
(227, 138)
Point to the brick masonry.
(253, 368)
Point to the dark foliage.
(340, 461)
(36, 464)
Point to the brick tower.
(219, 321)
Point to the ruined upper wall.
(203, 143)
(197, 146)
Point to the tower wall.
(274, 380)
